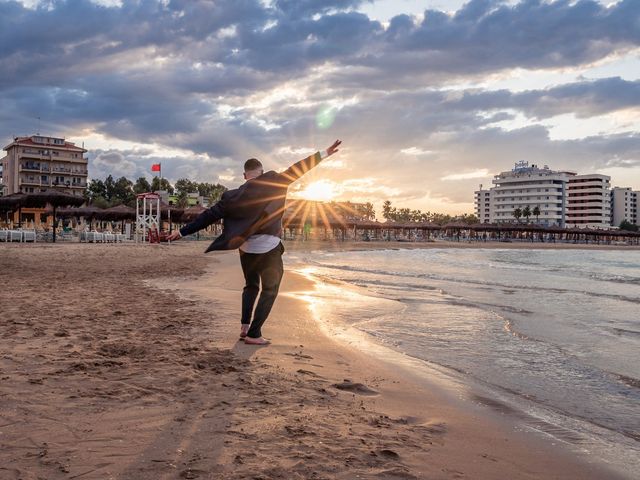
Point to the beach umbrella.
(169, 212)
(88, 212)
(191, 213)
(54, 198)
(119, 212)
(13, 202)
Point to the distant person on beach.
(252, 222)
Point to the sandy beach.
(123, 362)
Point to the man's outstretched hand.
(175, 235)
(333, 148)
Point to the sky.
(430, 98)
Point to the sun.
(320, 191)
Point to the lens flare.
(325, 117)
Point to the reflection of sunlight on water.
(338, 309)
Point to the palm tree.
(387, 210)
(517, 213)
(536, 212)
(526, 213)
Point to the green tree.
(109, 188)
(100, 202)
(467, 219)
(161, 184)
(628, 226)
(95, 189)
(123, 192)
(184, 185)
(404, 215)
(369, 211)
(536, 212)
(213, 192)
(142, 185)
(526, 212)
(387, 210)
(517, 213)
(441, 218)
(183, 200)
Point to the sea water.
(556, 332)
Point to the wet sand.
(123, 362)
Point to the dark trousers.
(265, 269)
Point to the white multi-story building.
(483, 205)
(624, 206)
(589, 201)
(553, 198)
(541, 189)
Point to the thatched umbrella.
(119, 212)
(55, 199)
(191, 213)
(13, 202)
(170, 212)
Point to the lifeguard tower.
(148, 217)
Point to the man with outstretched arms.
(252, 222)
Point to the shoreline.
(294, 245)
(399, 392)
(579, 436)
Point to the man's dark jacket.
(254, 208)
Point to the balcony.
(29, 167)
(33, 181)
(68, 170)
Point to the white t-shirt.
(261, 243)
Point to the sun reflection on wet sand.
(338, 308)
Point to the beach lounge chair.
(15, 235)
(29, 236)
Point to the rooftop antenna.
(38, 131)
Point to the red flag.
(155, 167)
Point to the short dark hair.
(252, 164)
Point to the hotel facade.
(624, 206)
(37, 163)
(561, 198)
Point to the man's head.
(252, 169)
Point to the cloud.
(467, 175)
(226, 80)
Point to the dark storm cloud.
(584, 99)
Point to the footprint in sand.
(353, 387)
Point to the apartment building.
(561, 198)
(624, 206)
(589, 201)
(482, 202)
(37, 163)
